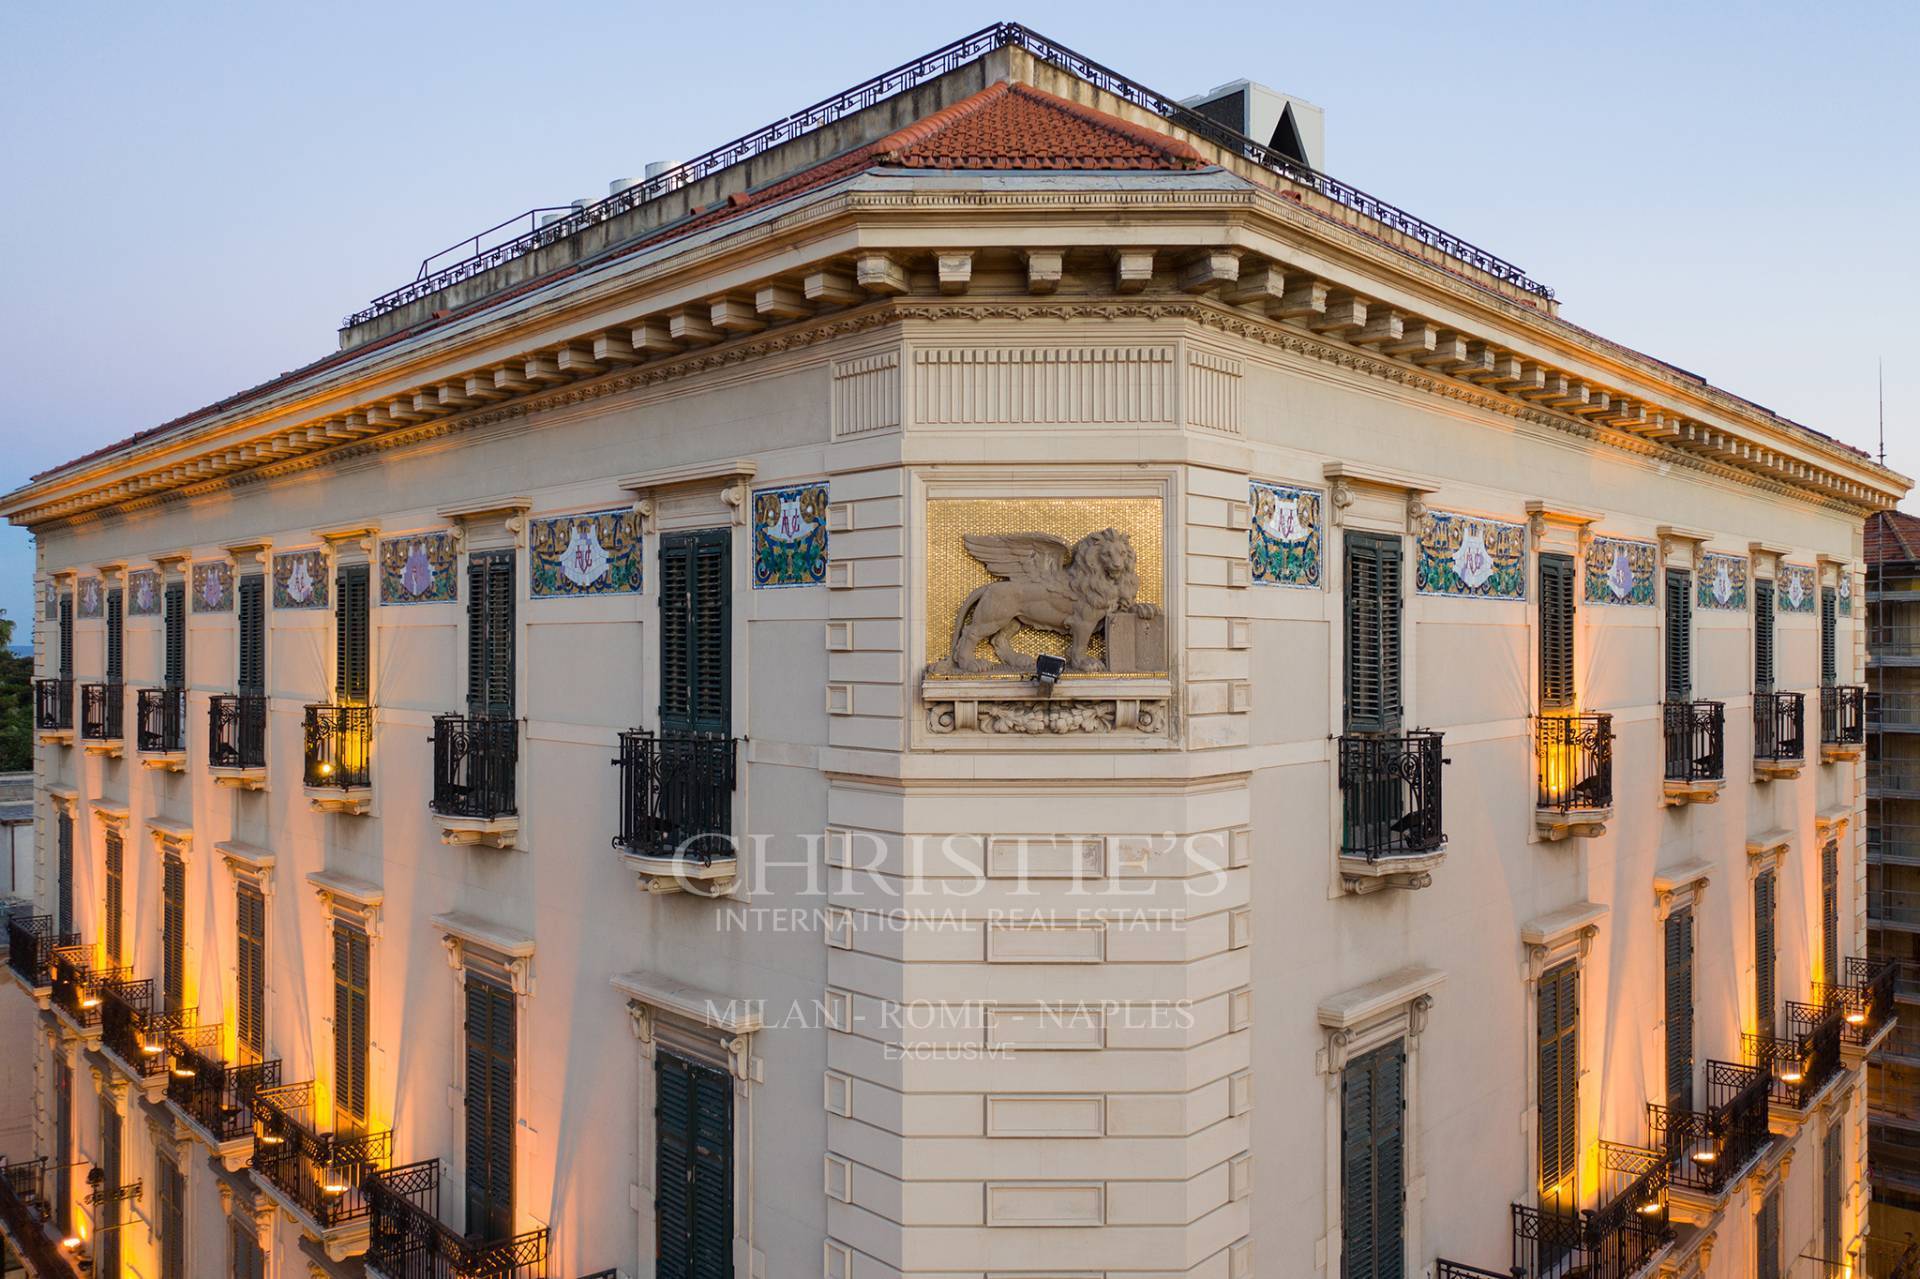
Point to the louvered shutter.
(693, 1204)
(1766, 1237)
(1373, 1171)
(1679, 948)
(695, 632)
(116, 853)
(173, 933)
(173, 1252)
(1829, 656)
(1763, 637)
(352, 676)
(62, 1143)
(1373, 633)
(66, 636)
(248, 1261)
(1559, 1080)
(116, 636)
(490, 1046)
(350, 1021)
(253, 634)
(673, 1166)
(176, 625)
(1763, 953)
(1679, 635)
(1556, 631)
(490, 609)
(712, 1174)
(105, 1231)
(64, 824)
(1830, 912)
(250, 968)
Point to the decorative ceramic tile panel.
(143, 593)
(90, 599)
(51, 600)
(1284, 537)
(1795, 588)
(1471, 556)
(300, 579)
(1844, 592)
(212, 587)
(1722, 582)
(419, 568)
(790, 536)
(1621, 571)
(592, 553)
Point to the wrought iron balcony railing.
(1612, 1241)
(1444, 1269)
(134, 1029)
(1706, 1149)
(79, 987)
(1843, 715)
(103, 712)
(237, 730)
(408, 1241)
(26, 1208)
(31, 943)
(161, 720)
(676, 795)
(1696, 737)
(53, 704)
(325, 1175)
(1576, 762)
(473, 766)
(339, 747)
(213, 1094)
(1779, 727)
(1803, 1062)
(1864, 994)
(1390, 795)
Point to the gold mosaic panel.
(952, 574)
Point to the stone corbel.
(1680, 547)
(1552, 936)
(344, 897)
(110, 573)
(1832, 824)
(112, 816)
(730, 478)
(1352, 1021)
(1766, 851)
(66, 799)
(1372, 497)
(1555, 527)
(473, 943)
(350, 542)
(641, 1019)
(1765, 555)
(1682, 885)
(509, 513)
(249, 554)
(170, 837)
(643, 508)
(173, 564)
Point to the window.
(1556, 631)
(66, 637)
(1832, 1151)
(1830, 912)
(176, 635)
(1829, 654)
(695, 632)
(1373, 605)
(1679, 930)
(1763, 952)
(116, 636)
(173, 933)
(62, 1142)
(250, 970)
(171, 1191)
(350, 982)
(693, 1204)
(116, 894)
(351, 673)
(490, 602)
(1763, 637)
(106, 1233)
(63, 888)
(491, 1055)
(248, 1261)
(1372, 1164)
(1679, 635)
(1558, 1040)
(1766, 1237)
(252, 675)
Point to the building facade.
(998, 680)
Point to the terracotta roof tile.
(1014, 126)
(1892, 537)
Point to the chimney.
(1290, 126)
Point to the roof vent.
(618, 185)
(1291, 126)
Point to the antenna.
(1881, 375)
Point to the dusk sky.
(195, 194)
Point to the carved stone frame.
(1548, 941)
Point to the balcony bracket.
(110, 748)
(715, 878)
(1702, 791)
(54, 737)
(496, 832)
(351, 800)
(239, 778)
(1769, 770)
(1554, 825)
(165, 761)
(1360, 876)
(1831, 754)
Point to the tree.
(16, 704)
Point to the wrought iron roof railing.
(483, 257)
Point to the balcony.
(1802, 1064)
(676, 810)
(1843, 721)
(1696, 751)
(1779, 735)
(1576, 775)
(78, 989)
(1444, 1269)
(1616, 1240)
(474, 758)
(1707, 1150)
(26, 1211)
(320, 1178)
(103, 718)
(160, 728)
(31, 943)
(53, 709)
(409, 1242)
(1865, 996)
(339, 758)
(213, 1098)
(237, 740)
(1392, 834)
(134, 1032)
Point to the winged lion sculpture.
(1048, 585)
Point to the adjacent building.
(999, 679)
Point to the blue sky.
(194, 194)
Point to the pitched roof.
(1892, 537)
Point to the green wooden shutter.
(175, 597)
(673, 1166)
(1766, 1237)
(64, 885)
(1679, 1009)
(1763, 952)
(248, 1261)
(350, 1021)
(490, 607)
(693, 1160)
(1679, 635)
(173, 1222)
(1829, 654)
(712, 1174)
(62, 1143)
(1372, 1164)
(1832, 1152)
(1830, 912)
(490, 1048)
(1556, 631)
(173, 933)
(1763, 637)
(696, 609)
(106, 1235)
(116, 637)
(66, 636)
(253, 634)
(116, 870)
(1373, 607)
(1558, 1026)
(250, 966)
(352, 672)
